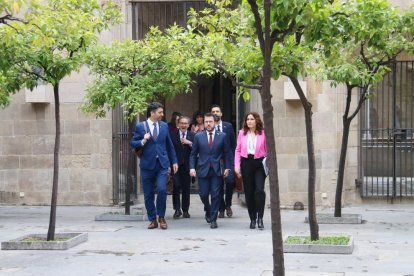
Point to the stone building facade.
(86, 173)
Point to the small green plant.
(330, 240)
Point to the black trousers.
(182, 180)
(253, 181)
(226, 193)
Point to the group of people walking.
(207, 150)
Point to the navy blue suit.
(225, 200)
(209, 171)
(157, 156)
(182, 179)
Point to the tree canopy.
(49, 46)
(134, 72)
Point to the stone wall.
(289, 125)
(26, 151)
(27, 141)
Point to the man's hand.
(226, 172)
(193, 173)
(175, 168)
(147, 136)
(237, 171)
(184, 141)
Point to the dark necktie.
(218, 128)
(183, 134)
(155, 132)
(210, 140)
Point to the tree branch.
(32, 73)
(360, 102)
(280, 35)
(233, 79)
(258, 24)
(361, 51)
(77, 49)
(339, 13)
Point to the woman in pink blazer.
(248, 162)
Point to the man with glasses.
(209, 148)
(182, 140)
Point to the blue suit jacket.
(182, 151)
(162, 147)
(228, 129)
(210, 156)
(231, 137)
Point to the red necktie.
(210, 141)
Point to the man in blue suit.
(226, 199)
(182, 140)
(211, 147)
(157, 156)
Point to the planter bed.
(319, 248)
(63, 241)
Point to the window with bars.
(162, 14)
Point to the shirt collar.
(150, 122)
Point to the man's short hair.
(152, 107)
(184, 117)
(216, 105)
(209, 115)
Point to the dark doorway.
(206, 90)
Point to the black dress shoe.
(213, 224)
(208, 218)
(177, 214)
(260, 223)
(253, 224)
(186, 215)
(229, 212)
(221, 214)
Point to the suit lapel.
(216, 137)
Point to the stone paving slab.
(384, 245)
(330, 219)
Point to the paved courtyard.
(384, 244)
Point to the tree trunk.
(307, 106)
(266, 97)
(342, 158)
(277, 239)
(341, 168)
(52, 219)
(130, 166)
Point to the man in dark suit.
(226, 199)
(211, 147)
(182, 140)
(157, 156)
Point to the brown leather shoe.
(163, 223)
(153, 225)
(221, 214)
(229, 212)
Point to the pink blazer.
(241, 148)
